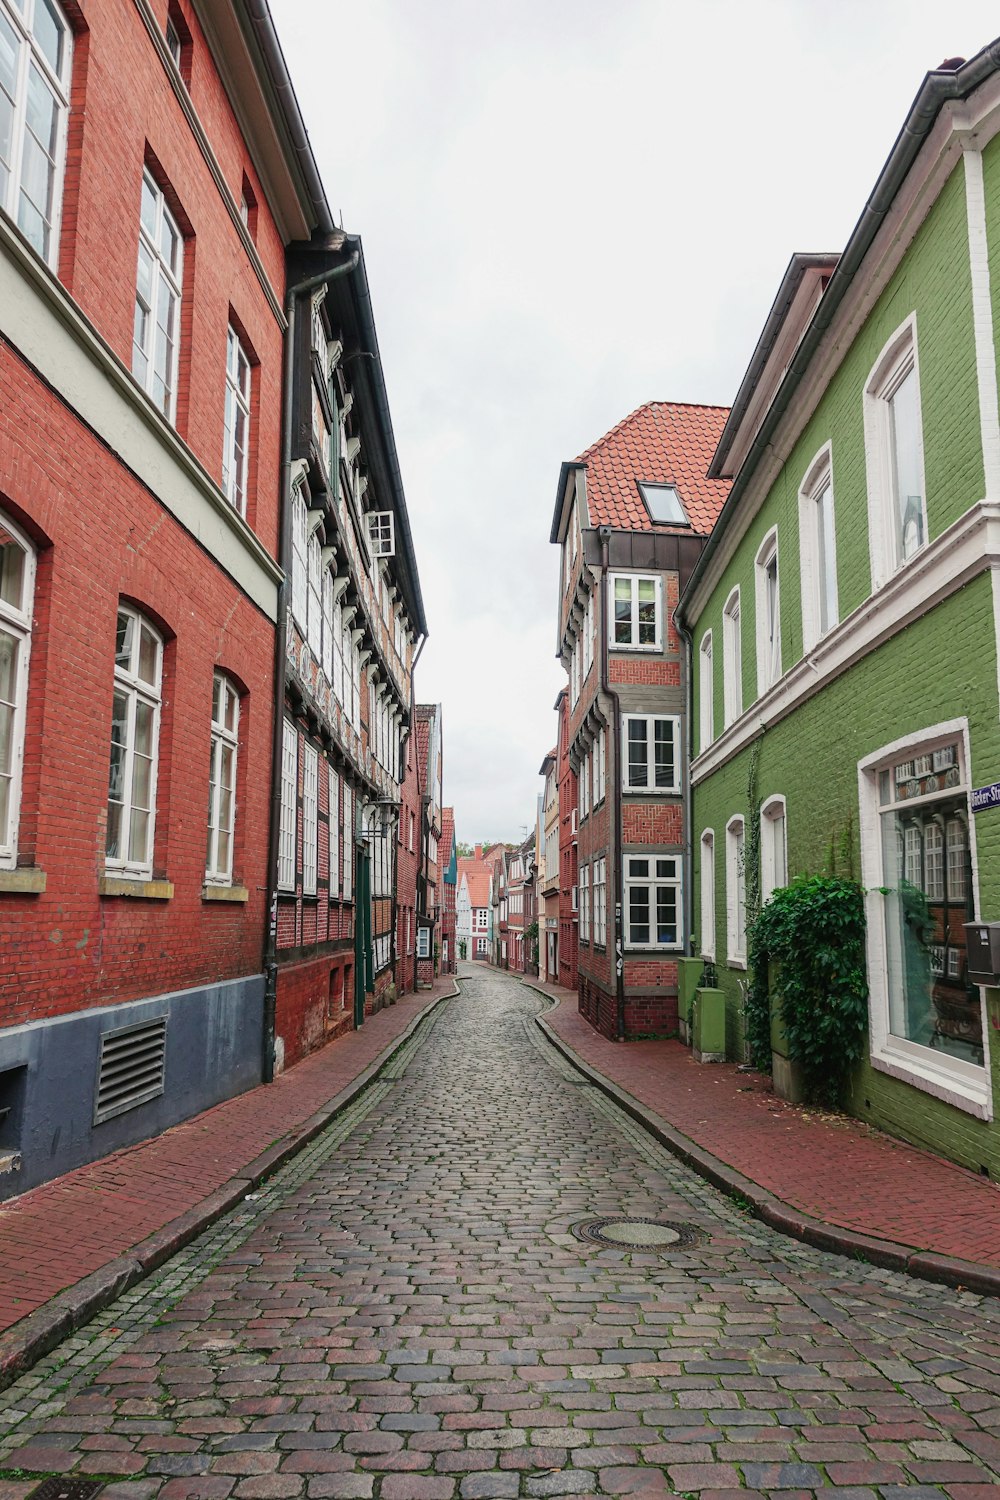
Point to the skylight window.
(664, 504)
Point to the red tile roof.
(477, 875)
(447, 836)
(663, 442)
(424, 715)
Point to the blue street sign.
(985, 796)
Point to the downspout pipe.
(292, 296)
(615, 831)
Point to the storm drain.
(59, 1488)
(637, 1234)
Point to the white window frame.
(965, 1085)
(16, 622)
(768, 612)
(29, 59)
(773, 854)
(635, 579)
(736, 893)
(381, 533)
(651, 882)
(583, 785)
(347, 876)
(172, 277)
(236, 464)
(899, 356)
(287, 819)
(310, 818)
(706, 693)
(600, 897)
(300, 548)
(649, 787)
(583, 888)
(732, 657)
(333, 831)
(314, 595)
(423, 942)
(706, 873)
(225, 736)
(136, 691)
(815, 548)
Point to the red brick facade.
(121, 508)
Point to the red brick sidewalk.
(55, 1235)
(833, 1168)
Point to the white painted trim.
(978, 116)
(707, 878)
(635, 575)
(46, 327)
(982, 319)
(732, 659)
(897, 354)
(706, 691)
(964, 1085)
(768, 669)
(968, 547)
(18, 623)
(771, 809)
(818, 476)
(736, 942)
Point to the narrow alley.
(406, 1311)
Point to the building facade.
(548, 902)
(140, 453)
(472, 917)
(429, 874)
(845, 619)
(448, 855)
(631, 517)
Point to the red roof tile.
(478, 876)
(447, 836)
(663, 442)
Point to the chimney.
(479, 851)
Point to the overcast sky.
(570, 207)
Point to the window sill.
(142, 890)
(733, 961)
(671, 948)
(28, 881)
(934, 1077)
(237, 894)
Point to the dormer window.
(664, 504)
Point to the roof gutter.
(374, 368)
(267, 38)
(937, 89)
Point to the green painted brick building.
(845, 617)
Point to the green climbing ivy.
(813, 933)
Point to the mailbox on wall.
(982, 946)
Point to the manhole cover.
(637, 1234)
(58, 1488)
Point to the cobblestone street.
(404, 1312)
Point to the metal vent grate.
(131, 1068)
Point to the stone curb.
(23, 1344)
(929, 1265)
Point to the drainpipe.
(687, 830)
(604, 533)
(292, 295)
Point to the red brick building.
(567, 790)
(631, 517)
(473, 907)
(448, 859)
(142, 279)
(429, 873)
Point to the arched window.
(135, 739)
(222, 780)
(17, 578)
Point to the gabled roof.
(663, 442)
(425, 716)
(446, 846)
(477, 877)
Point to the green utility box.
(708, 1026)
(689, 972)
